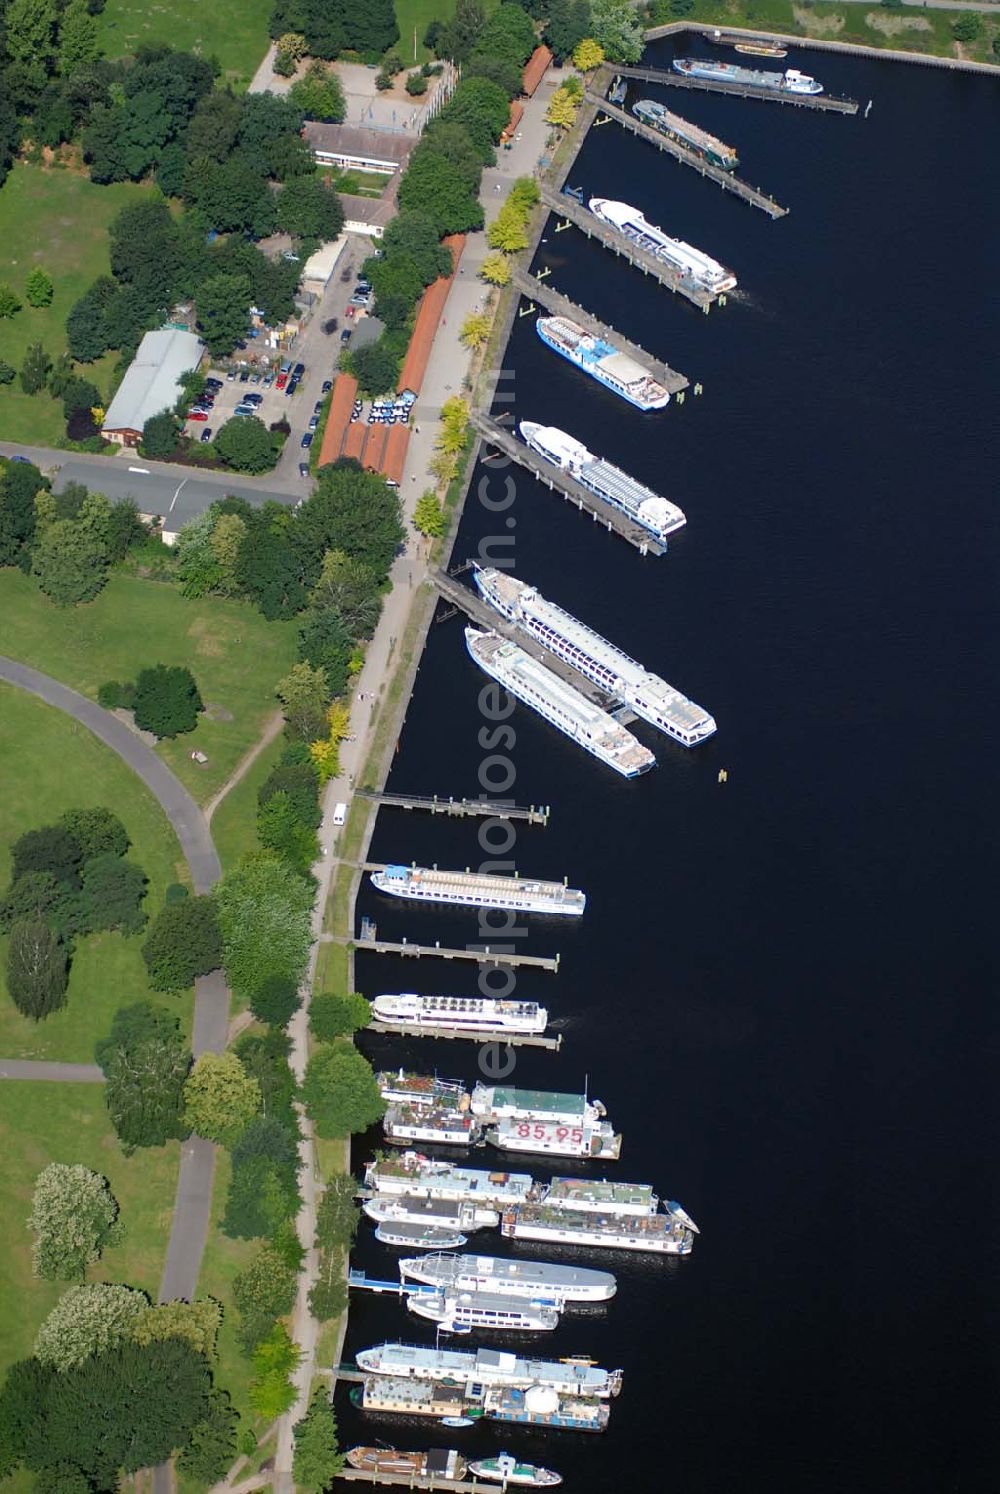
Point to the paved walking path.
(58, 1073)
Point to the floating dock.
(670, 79)
(482, 954)
(415, 1480)
(507, 1039)
(434, 804)
(725, 179)
(559, 481)
(574, 212)
(535, 289)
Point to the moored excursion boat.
(598, 660)
(401, 1087)
(453, 1216)
(470, 1014)
(490, 1367)
(608, 482)
(658, 1234)
(416, 1176)
(604, 362)
(559, 703)
(790, 81)
(414, 1235)
(594, 1139)
(690, 263)
(447, 1125)
(538, 1280)
(461, 1312)
(658, 117)
(437, 1461)
(479, 890)
(506, 1469)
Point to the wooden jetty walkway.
(612, 238)
(553, 477)
(482, 954)
(416, 1481)
(725, 179)
(670, 79)
(535, 289)
(508, 1039)
(434, 804)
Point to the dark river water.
(781, 988)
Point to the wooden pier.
(508, 1039)
(416, 1481)
(670, 79)
(553, 477)
(434, 804)
(724, 179)
(535, 289)
(612, 238)
(482, 954)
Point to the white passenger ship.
(560, 704)
(594, 657)
(479, 890)
(419, 1177)
(594, 1139)
(490, 1367)
(538, 1280)
(437, 1215)
(474, 1015)
(461, 1312)
(690, 263)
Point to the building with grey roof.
(358, 149)
(152, 383)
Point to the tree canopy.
(73, 1216)
(340, 1091)
(145, 1062)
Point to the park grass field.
(236, 656)
(42, 1123)
(234, 32)
(49, 764)
(909, 29)
(223, 1260)
(234, 823)
(53, 217)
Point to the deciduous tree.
(495, 269)
(475, 331)
(319, 93)
(87, 1320)
(36, 969)
(35, 368)
(212, 1445)
(317, 1459)
(338, 1215)
(326, 644)
(78, 43)
(340, 1092)
(263, 1291)
(613, 25)
(160, 435)
(244, 444)
(304, 693)
(220, 1098)
(70, 563)
(223, 308)
(588, 54)
(74, 1215)
(184, 942)
(264, 914)
(196, 1322)
(333, 1015)
(145, 1062)
(167, 701)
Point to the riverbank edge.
(822, 44)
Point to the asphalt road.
(59, 1073)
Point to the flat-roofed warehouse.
(152, 383)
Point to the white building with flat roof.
(152, 383)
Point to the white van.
(339, 813)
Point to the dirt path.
(267, 736)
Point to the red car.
(197, 415)
(282, 381)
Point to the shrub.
(416, 84)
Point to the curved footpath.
(193, 1200)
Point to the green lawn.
(235, 655)
(419, 14)
(234, 823)
(911, 29)
(50, 764)
(224, 1259)
(232, 31)
(52, 217)
(44, 1123)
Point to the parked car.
(298, 370)
(313, 422)
(282, 380)
(197, 415)
(327, 385)
(231, 374)
(303, 469)
(345, 336)
(213, 383)
(345, 275)
(244, 375)
(253, 399)
(349, 312)
(293, 384)
(307, 441)
(255, 376)
(206, 434)
(269, 378)
(245, 410)
(318, 407)
(286, 367)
